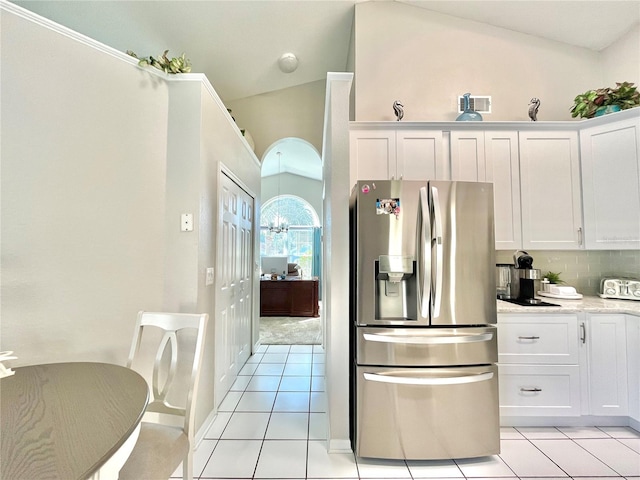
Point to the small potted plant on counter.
(553, 277)
(593, 103)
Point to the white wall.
(83, 196)
(292, 112)
(221, 147)
(99, 159)
(335, 159)
(426, 59)
(621, 60)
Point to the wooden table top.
(65, 420)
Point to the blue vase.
(607, 109)
(468, 115)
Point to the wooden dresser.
(289, 298)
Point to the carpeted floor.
(290, 331)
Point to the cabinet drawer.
(545, 390)
(539, 339)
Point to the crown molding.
(72, 34)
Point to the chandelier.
(279, 226)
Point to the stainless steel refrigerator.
(424, 379)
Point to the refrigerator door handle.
(398, 378)
(437, 243)
(427, 339)
(424, 254)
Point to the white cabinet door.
(419, 155)
(610, 156)
(467, 156)
(403, 152)
(633, 366)
(606, 338)
(539, 390)
(538, 339)
(503, 170)
(538, 359)
(372, 155)
(550, 190)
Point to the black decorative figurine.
(534, 104)
(398, 109)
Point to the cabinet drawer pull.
(529, 338)
(534, 389)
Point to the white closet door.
(234, 284)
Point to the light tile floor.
(271, 425)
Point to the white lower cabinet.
(540, 390)
(539, 367)
(633, 370)
(569, 365)
(606, 345)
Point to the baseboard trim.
(206, 425)
(578, 421)
(337, 445)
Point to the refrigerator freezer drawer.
(427, 413)
(426, 346)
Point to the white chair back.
(170, 373)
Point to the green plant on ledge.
(174, 65)
(553, 277)
(592, 102)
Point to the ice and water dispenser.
(396, 284)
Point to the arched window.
(301, 242)
(292, 210)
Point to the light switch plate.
(186, 222)
(209, 279)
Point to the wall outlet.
(186, 222)
(210, 277)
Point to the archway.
(292, 197)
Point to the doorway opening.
(290, 228)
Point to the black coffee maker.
(525, 280)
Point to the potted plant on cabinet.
(593, 103)
(173, 65)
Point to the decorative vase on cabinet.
(603, 110)
(468, 115)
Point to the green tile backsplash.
(582, 269)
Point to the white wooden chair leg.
(187, 467)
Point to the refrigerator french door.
(424, 379)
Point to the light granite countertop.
(586, 304)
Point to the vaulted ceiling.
(237, 43)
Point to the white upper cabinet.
(420, 155)
(543, 173)
(372, 155)
(610, 155)
(388, 153)
(468, 156)
(492, 156)
(550, 190)
(503, 170)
